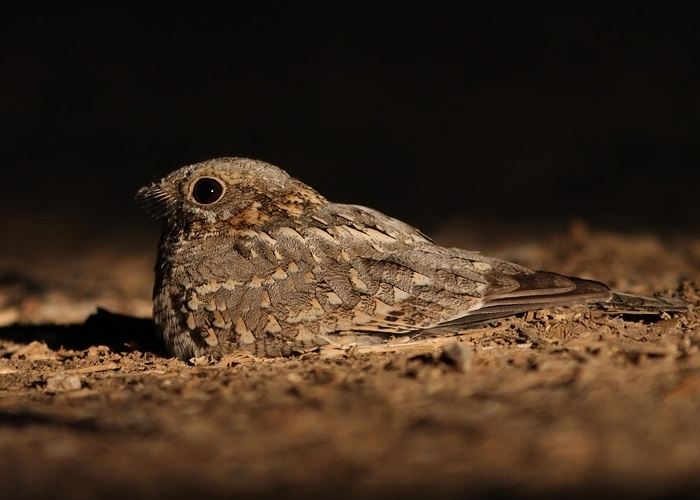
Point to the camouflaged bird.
(252, 259)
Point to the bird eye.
(207, 191)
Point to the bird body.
(252, 259)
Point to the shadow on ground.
(118, 332)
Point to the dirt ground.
(555, 404)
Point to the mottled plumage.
(252, 259)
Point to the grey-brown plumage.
(252, 259)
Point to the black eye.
(207, 191)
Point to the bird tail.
(622, 303)
(544, 290)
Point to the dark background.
(501, 113)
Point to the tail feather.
(543, 290)
(622, 303)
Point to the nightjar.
(252, 259)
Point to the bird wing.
(400, 281)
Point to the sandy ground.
(556, 404)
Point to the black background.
(502, 113)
